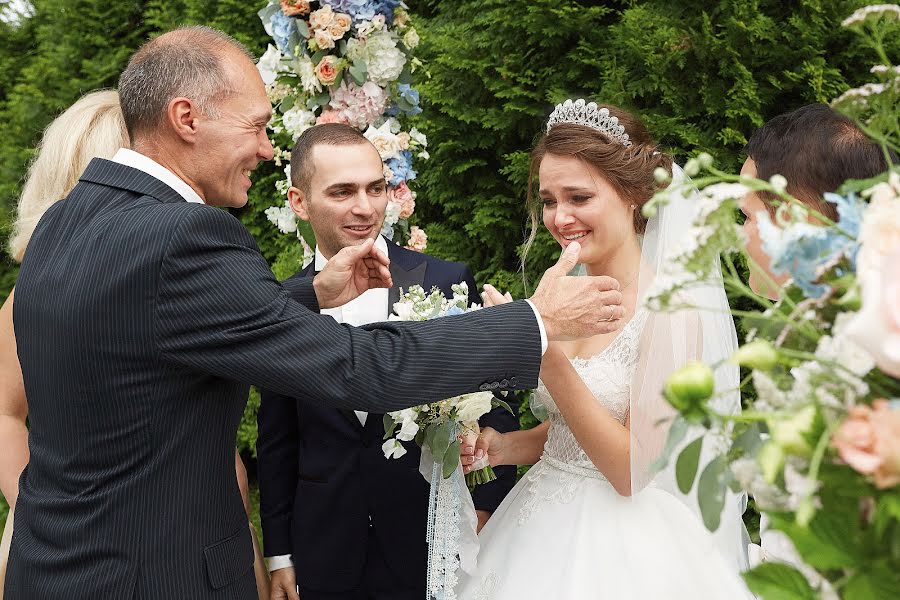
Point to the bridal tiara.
(589, 115)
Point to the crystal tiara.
(588, 114)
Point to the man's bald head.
(189, 62)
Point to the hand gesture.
(491, 297)
(577, 307)
(284, 585)
(490, 443)
(351, 272)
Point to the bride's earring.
(633, 206)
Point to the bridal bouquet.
(440, 426)
(346, 61)
(818, 448)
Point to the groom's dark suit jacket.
(140, 321)
(325, 484)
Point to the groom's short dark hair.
(183, 62)
(326, 134)
(816, 149)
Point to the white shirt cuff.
(282, 561)
(540, 321)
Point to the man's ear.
(298, 203)
(182, 115)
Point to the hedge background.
(702, 78)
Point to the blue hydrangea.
(411, 96)
(801, 248)
(454, 310)
(401, 168)
(365, 10)
(850, 215)
(283, 30)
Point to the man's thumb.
(568, 259)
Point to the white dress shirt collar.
(138, 161)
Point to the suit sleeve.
(277, 467)
(220, 311)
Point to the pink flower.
(403, 196)
(876, 327)
(359, 105)
(417, 239)
(294, 8)
(331, 116)
(869, 441)
(326, 70)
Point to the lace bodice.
(608, 376)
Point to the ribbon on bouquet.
(451, 533)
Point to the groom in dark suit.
(143, 312)
(338, 517)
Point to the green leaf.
(359, 72)
(323, 99)
(389, 426)
(886, 512)
(749, 441)
(676, 433)
(686, 465)
(441, 441)
(286, 104)
(303, 28)
(451, 459)
(777, 581)
(498, 402)
(406, 76)
(878, 583)
(832, 538)
(711, 492)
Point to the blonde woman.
(92, 127)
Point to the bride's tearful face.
(579, 204)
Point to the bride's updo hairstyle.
(625, 158)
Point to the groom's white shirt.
(138, 161)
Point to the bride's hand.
(492, 297)
(490, 442)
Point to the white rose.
(384, 140)
(269, 65)
(471, 407)
(324, 39)
(321, 18)
(411, 39)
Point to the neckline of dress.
(588, 359)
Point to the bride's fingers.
(492, 297)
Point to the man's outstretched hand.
(351, 272)
(577, 307)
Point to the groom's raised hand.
(577, 307)
(351, 272)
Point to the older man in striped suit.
(143, 312)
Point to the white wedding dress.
(564, 533)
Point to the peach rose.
(343, 21)
(324, 39)
(417, 239)
(869, 441)
(403, 196)
(295, 8)
(321, 18)
(336, 31)
(326, 70)
(403, 139)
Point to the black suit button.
(494, 385)
(513, 382)
(485, 387)
(504, 383)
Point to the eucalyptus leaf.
(711, 492)
(778, 581)
(451, 459)
(686, 465)
(676, 433)
(323, 99)
(442, 439)
(498, 402)
(303, 28)
(286, 104)
(406, 76)
(358, 75)
(389, 426)
(748, 442)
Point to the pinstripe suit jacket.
(140, 321)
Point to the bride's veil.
(702, 330)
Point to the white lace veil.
(702, 330)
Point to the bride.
(595, 517)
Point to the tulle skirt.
(564, 535)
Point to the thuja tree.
(701, 76)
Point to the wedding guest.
(339, 519)
(816, 149)
(138, 339)
(92, 127)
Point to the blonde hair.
(92, 127)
